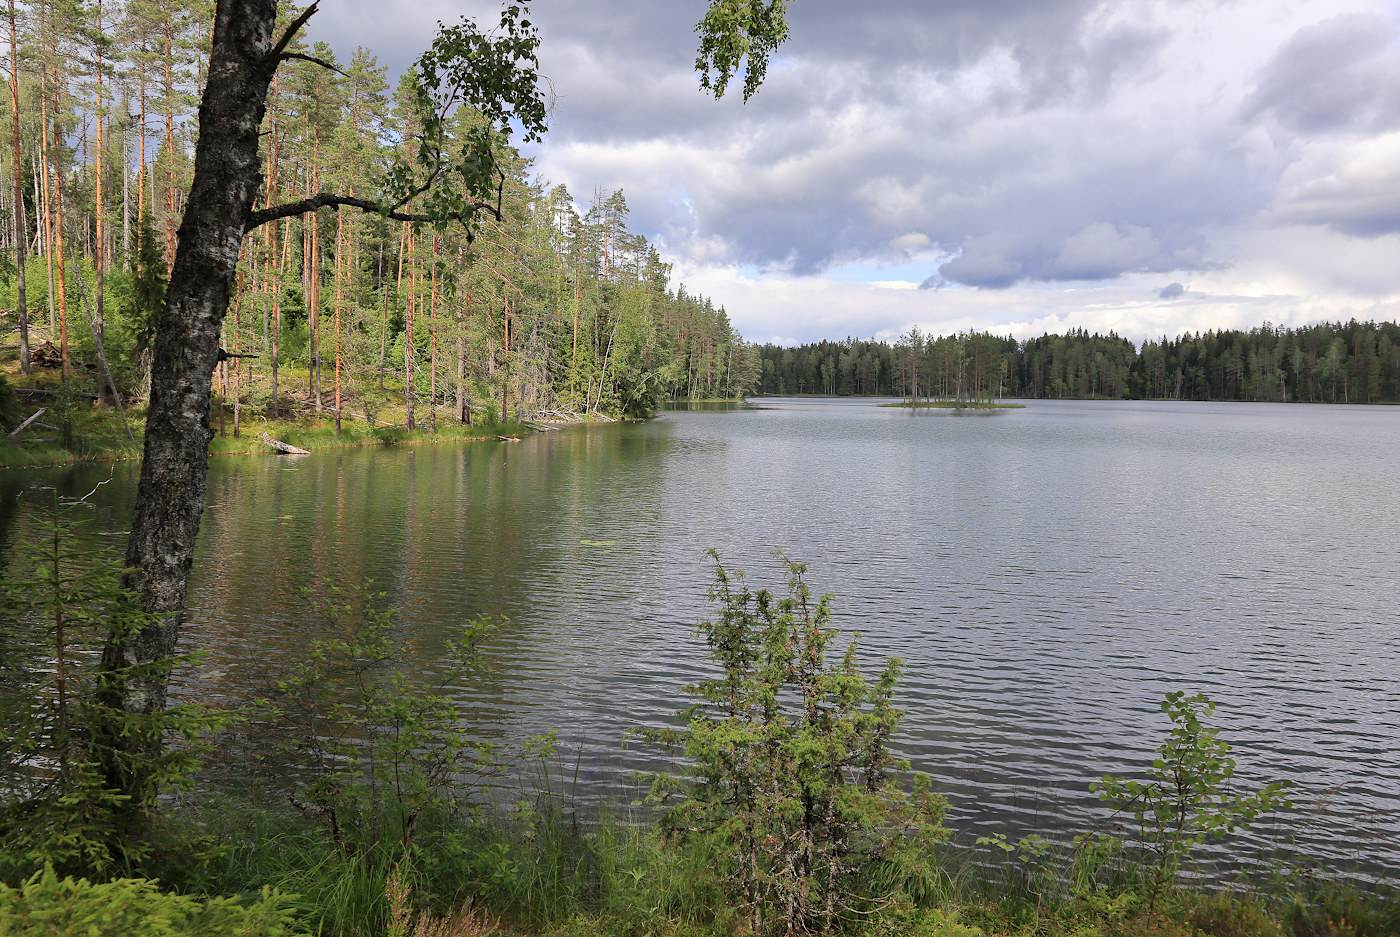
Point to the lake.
(1047, 574)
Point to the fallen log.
(282, 447)
(25, 425)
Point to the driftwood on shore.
(570, 416)
(282, 447)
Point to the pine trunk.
(170, 143)
(99, 258)
(408, 361)
(21, 229)
(60, 280)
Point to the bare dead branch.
(331, 200)
(276, 54)
(313, 60)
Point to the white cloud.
(1070, 160)
(914, 240)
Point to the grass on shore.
(94, 440)
(320, 433)
(98, 433)
(545, 871)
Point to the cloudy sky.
(1016, 165)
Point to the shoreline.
(312, 436)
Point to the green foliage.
(907, 921)
(9, 406)
(1225, 915)
(384, 748)
(1320, 908)
(495, 76)
(789, 773)
(47, 906)
(1187, 797)
(739, 35)
(79, 775)
(141, 307)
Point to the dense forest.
(557, 308)
(1355, 362)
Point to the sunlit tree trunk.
(60, 281)
(433, 341)
(340, 267)
(99, 259)
(48, 206)
(169, 27)
(408, 361)
(21, 229)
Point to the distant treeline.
(1355, 362)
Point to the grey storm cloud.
(1351, 201)
(1171, 291)
(1003, 133)
(1340, 74)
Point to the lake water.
(1046, 573)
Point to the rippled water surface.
(1047, 574)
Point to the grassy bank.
(539, 868)
(321, 434)
(98, 434)
(94, 440)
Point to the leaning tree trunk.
(227, 176)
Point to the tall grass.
(541, 866)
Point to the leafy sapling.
(1187, 797)
(385, 749)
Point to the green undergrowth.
(79, 430)
(540, 868)
(96, 434)
(94, 445)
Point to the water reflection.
(1047, 575)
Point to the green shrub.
(1187, 797)
(1331, 909)
(8, 404)
(383, 749)
(47, 906)
(789, 773)
(78, 774)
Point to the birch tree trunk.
(227, 177)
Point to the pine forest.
(556, 310)
(1352, 362)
